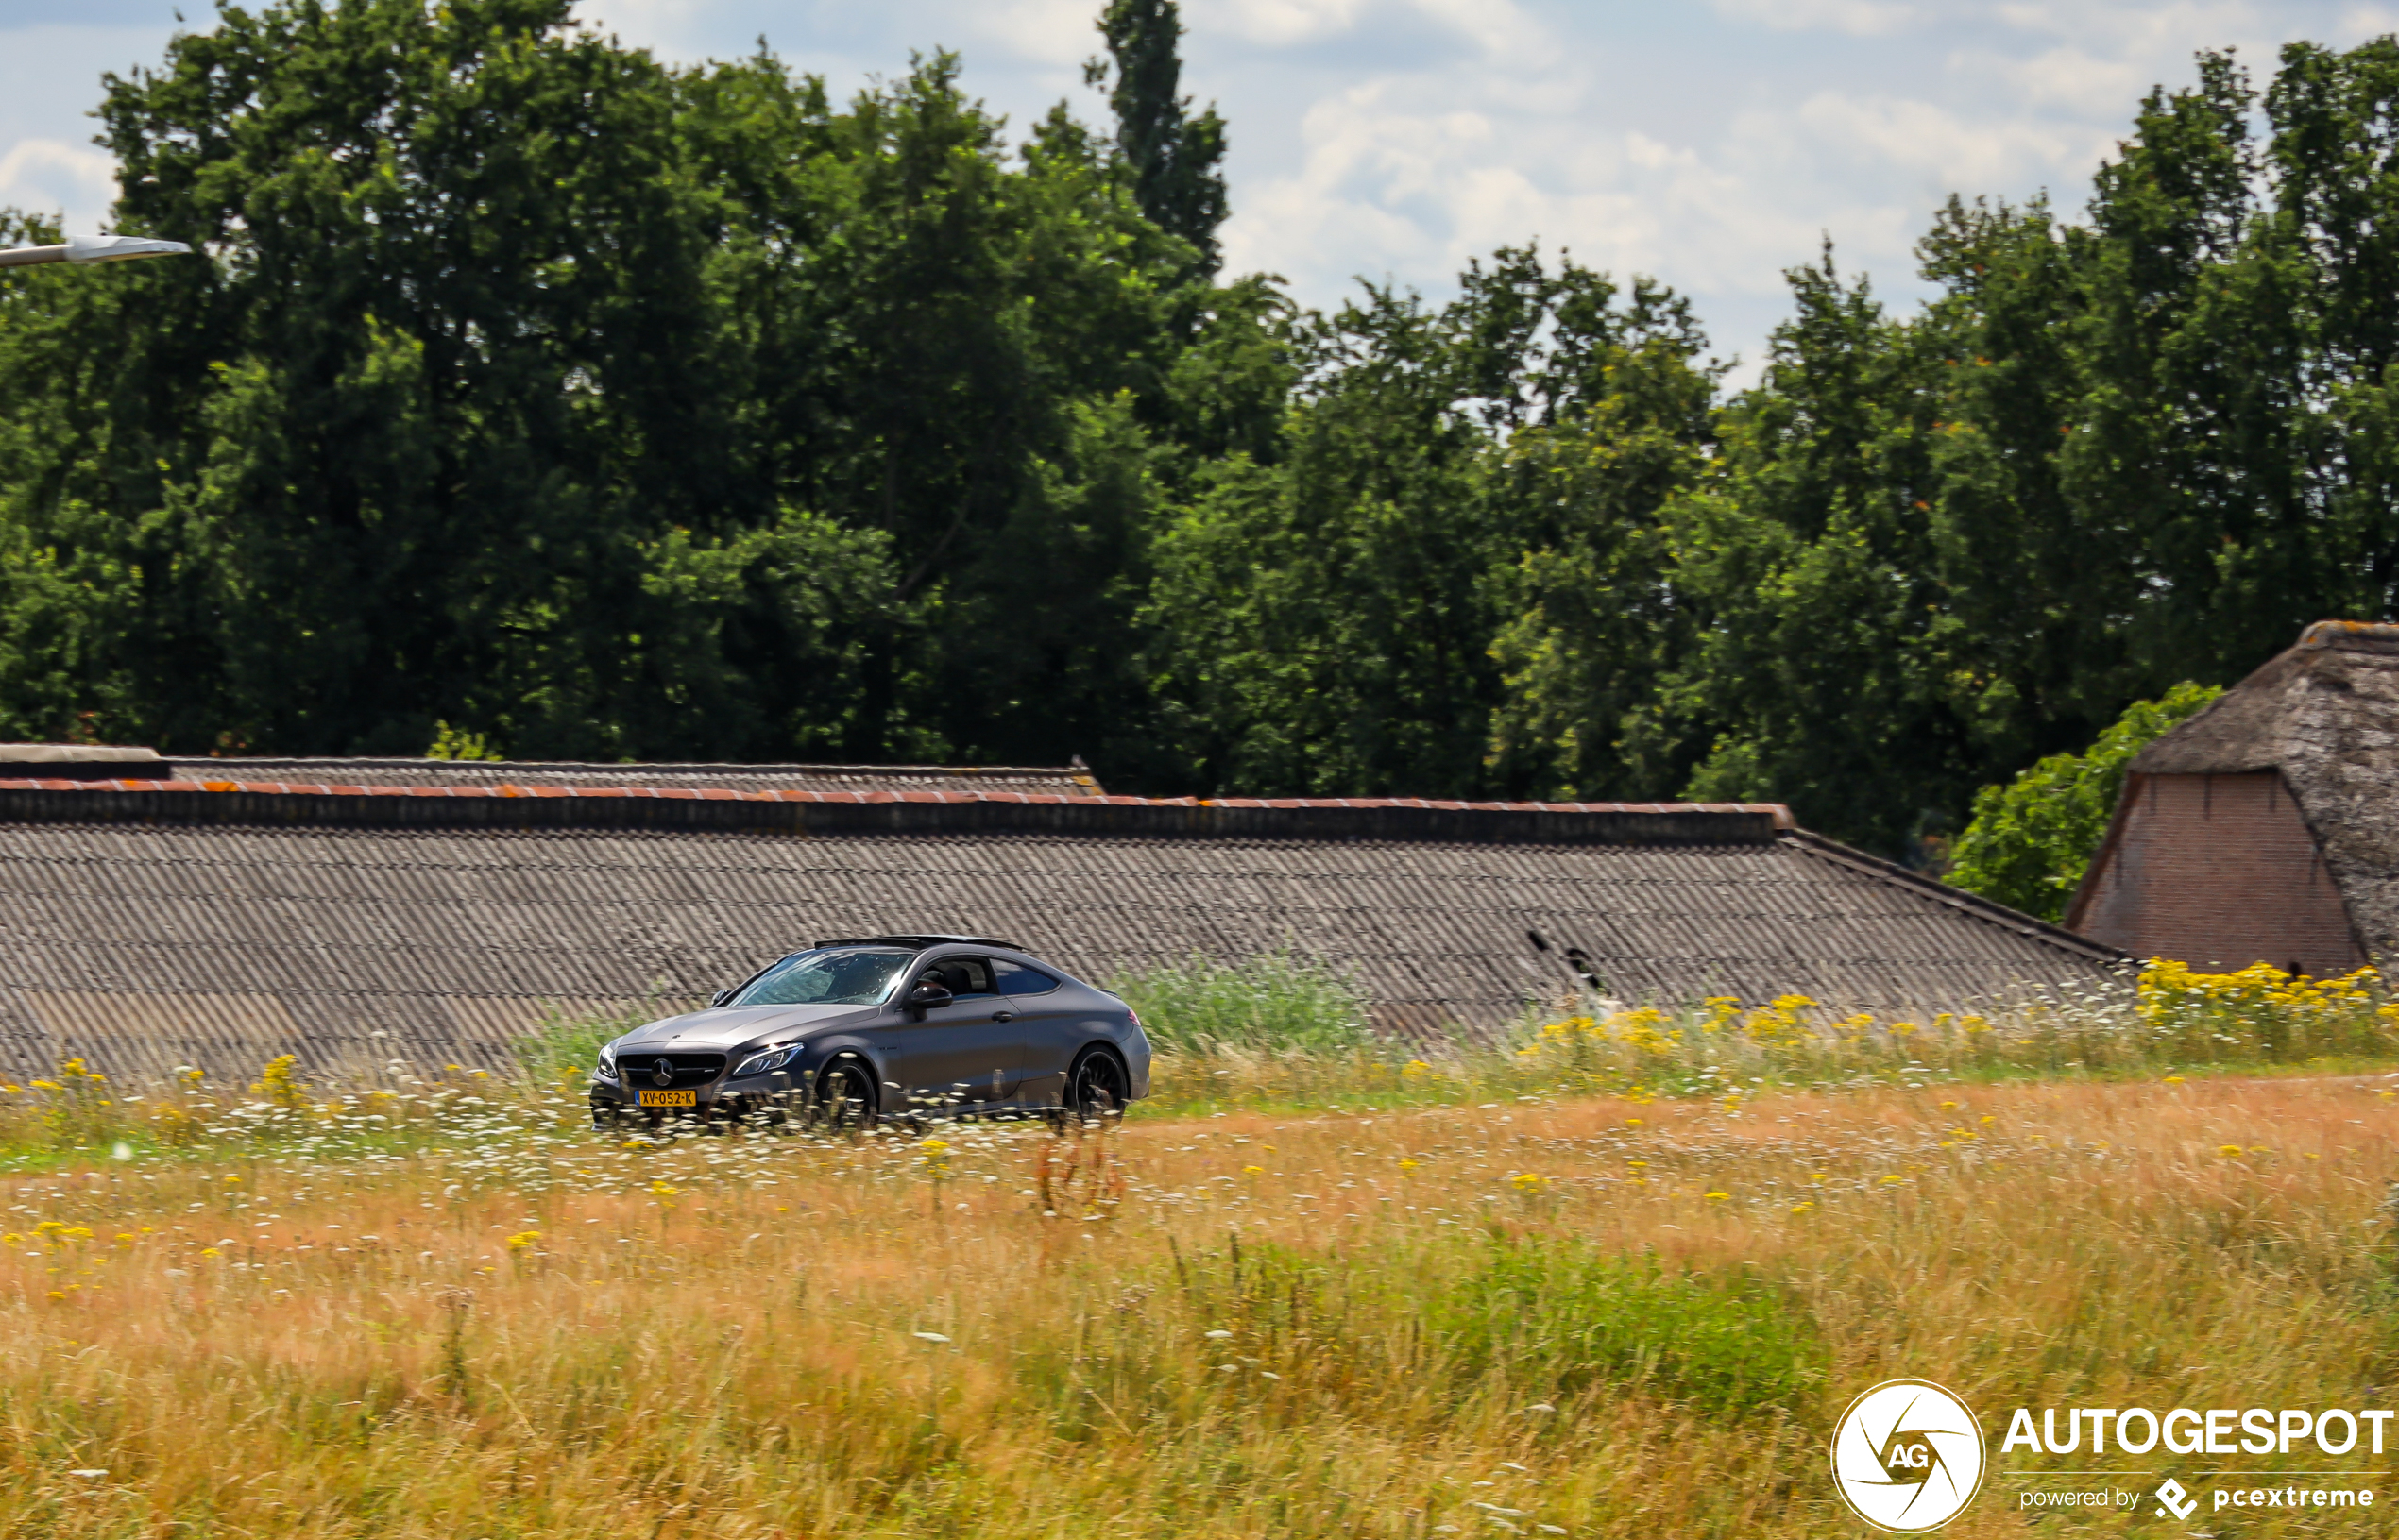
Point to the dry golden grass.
(768, 1336)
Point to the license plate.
(669, 1099)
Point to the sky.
(1710, 144)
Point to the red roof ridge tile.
(1778, 812)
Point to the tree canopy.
(2032, 840)
(538, 393)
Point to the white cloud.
(46, 177)
(2146, 28)
(1858, 18)
(50, 70)
(1937, 144)
(2067, 77)
(1425, 187)
(1051, 32)
(1280, 24)
(1508, 32)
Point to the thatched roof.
(2325, 714)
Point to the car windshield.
(845, 975)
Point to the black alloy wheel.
(844, 1097)
(1095, 1087)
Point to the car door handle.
(1003, 1015)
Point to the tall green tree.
(1805, 557)
(1407, 577)
(1588, 619)
(1177, 160)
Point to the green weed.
(1560, 1316)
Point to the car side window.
(1016, 978)
(964, 976)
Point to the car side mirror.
(719, 998)
(926, 995)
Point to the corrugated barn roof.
(149, 923)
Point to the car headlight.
(608, 1063)
(772, 1058)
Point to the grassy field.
(1592, 1315)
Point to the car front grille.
(639, 1069)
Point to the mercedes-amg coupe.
(850, 1031)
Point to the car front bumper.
(760, 1095)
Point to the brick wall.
(2218, 871)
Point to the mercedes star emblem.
(662, 1072)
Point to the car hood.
(730, 1026)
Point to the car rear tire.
(1096, 1086)
(844, 1098)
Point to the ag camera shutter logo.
(1907, 1456)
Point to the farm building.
(2265, 828)
(156, 913)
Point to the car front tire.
(845, 1099)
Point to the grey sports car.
(850, 1031)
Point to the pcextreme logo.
(1907, 1456)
